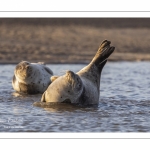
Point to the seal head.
(66, 88)
(31, 78)
(23, 71)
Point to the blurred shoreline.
(72, 40)
(114, 58)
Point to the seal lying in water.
(31, 78)
(82, 87)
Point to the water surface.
(124, 104)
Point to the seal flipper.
(53, 78)
(15, 84)
(42, 63)
(43, 97)
(101, 65)
(104, 51)
(48, 70)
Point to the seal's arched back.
(81, 87)
(31, 78)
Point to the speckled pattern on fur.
(82, 87)
(31, 78)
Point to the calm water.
(124, 103)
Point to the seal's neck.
(82, 98)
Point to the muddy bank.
(66, 40)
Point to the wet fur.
(25, 88)
(32, 85)
(90, 76)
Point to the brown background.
(72, 40)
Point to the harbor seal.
(81, 87)
(31, 78)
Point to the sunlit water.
(124, 104)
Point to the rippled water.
(124, 103)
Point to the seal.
(31, 78)
(81, 87)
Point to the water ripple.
(124, 103)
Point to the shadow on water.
(59, 107)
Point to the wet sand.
(66, 40)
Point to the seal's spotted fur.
(31, 78)
(82, 87)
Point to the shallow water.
(124, 104)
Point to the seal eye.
(20, 67)
(79, 85)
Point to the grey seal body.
(81, 87)
(31, 78)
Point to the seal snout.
(70, 74)
(23, 69)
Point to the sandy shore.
(72, 40)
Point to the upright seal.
(81, 87)
(31, 78)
